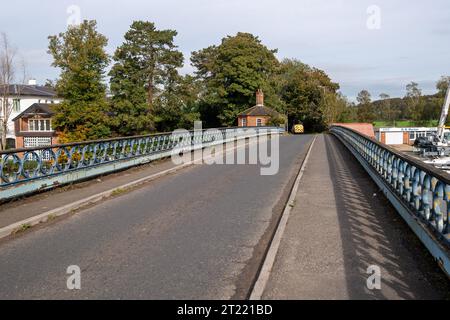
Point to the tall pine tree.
(143, 63)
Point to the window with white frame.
(39, 125)
(244, 122)
(258, 122)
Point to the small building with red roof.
(258, 115)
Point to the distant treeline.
(414, 108)
(144, 91)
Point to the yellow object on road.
(298, 128)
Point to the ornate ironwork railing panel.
(422, 190)
(20, 166)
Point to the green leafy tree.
(364, 97)
(337, 108)
(349, 111)
(442, 85)
(145, 64)
(80, 54)
(365, 111)
(414, 101)
(433, 105)
(230, 74)
(177, 106)
(306, 93)
(50, 84)
(386, 111)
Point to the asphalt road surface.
(197, 234)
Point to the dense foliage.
(145, 65)
(149, 94)
(306, 93)
(80, 54)
(230, 74)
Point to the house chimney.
(32, 82)
(259, 98)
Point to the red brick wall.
(251, 120)
(364, 128)
(19, 142)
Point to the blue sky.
(412, 42)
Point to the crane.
(437, 148)
(443, 118)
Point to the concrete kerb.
(269, 260)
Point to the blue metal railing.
(419, 192)
(28, 170)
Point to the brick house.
(33, 127)
(257, 116)
(20, 98)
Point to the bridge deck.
(339, 226)
(197, 234)
(202, 234)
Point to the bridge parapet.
(418, 191)
(28, 170)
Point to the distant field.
(406, 123)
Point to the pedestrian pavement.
(34, 205)
(340, 230)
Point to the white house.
(402, 135)
(22, 97)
